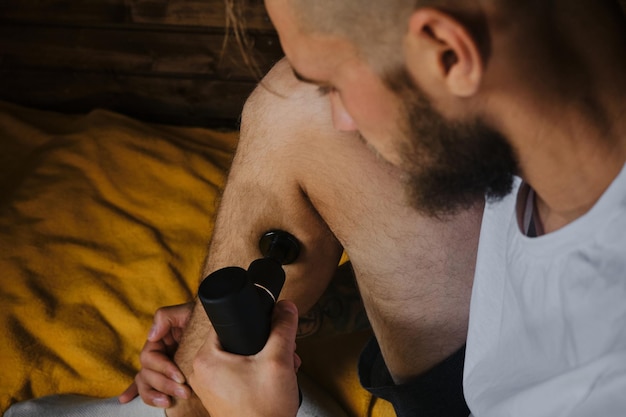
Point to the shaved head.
(377, 29)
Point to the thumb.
(282, 340)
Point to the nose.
(342, 120)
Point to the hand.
(160, 379)
(260, 385)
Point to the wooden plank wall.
(156, 60)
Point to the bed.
(115, 142)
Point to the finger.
(154, 357)
(167, 318)
(281, 342)
(156, 399)
(153, 385)
(149, 395)
(128, 394)
(177, 334)
(170, 343)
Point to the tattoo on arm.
(339, 310)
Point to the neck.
(567, 123)
(569, 164)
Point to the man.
(294, 171)
(531, 88)
(413, 271)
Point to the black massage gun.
(239, 303)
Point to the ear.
(440, 48)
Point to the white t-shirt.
(547, 332)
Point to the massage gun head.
(280, 246)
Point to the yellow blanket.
(103, 219)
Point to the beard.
(449, 165)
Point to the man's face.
(448, 165)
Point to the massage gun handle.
(239, 304)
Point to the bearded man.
(462, 96)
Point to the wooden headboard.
(155, 60)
